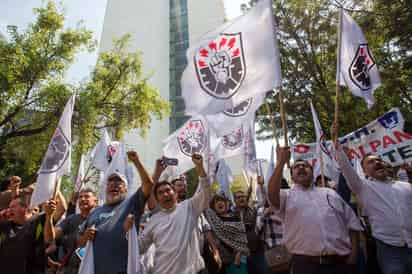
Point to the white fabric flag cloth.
(133, 255)
(191, 138)
(249, 151)
(57, 160)
(87, 263)
(324, 148)
(231, 144)
(101, 150)
(226, 121)
(80, 174)
(118, 164)
(356, 66)
(224, 179)
(271, 166)
(232, 63)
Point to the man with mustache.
(67, 231)
(388, 205)
(104, 226)
(321, 230)
(173, 229)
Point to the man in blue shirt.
(104, 225)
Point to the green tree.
(33, 93)
(307, 34)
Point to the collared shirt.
(270, 228)
(388, 204)
(317, 221)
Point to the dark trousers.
(256, 263)
(302, 266)
(393, 259)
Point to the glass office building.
(162, 30)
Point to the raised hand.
(15, 182)
(50, 207)
(133, 156)
(197, 159)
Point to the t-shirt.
(70, 229)
(22, 247)
(110, 244)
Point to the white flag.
(249, 151)
(80, 174)
(191, 138)
(231, 144)
(118, 164)
(324, 150)
(56, 162)
(101, 152)
(356, 66)
(226, 121)
(224, 179)
(233, 63)
(133, 255)
(87, 263)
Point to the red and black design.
(362, 63)
(57, 152)
(111, 150)
(193, 138)
(233, 140)
(220, 66)
(239, 110)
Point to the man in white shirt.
(322, 230)
(173, 229)
(388, 205)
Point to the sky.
(91, 14)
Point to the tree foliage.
(307, 35)
(33, 92)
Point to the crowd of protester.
(361, 224)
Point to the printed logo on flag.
(233, 140)
(240, 109)
(193, 138)
(57, 152)
(220, 66)
(360, 67)
(111, 150)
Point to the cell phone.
(80, 252)
(170, 161)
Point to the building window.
(179, 42)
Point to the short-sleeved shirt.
(22, 247)
(70, 229)
(110, 244)
(317, 221)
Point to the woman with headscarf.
(230, 235)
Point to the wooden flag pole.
(283, 118)
(338, 69)
(56, 189)
(272, 122)
(322, 173)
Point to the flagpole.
(283, 117)
(272, 122)
(322, 174)
(56, 189)
(338, 69)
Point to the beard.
(115, 199)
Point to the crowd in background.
(360, 224)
